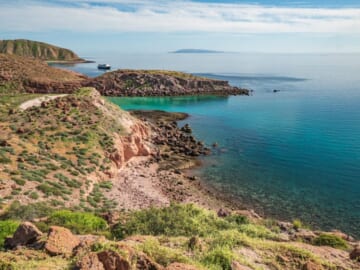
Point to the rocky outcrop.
(26, 234)
(61, 241)
(112, 260)
(90, 262)
(355, 253)
(38, 50)
(159, 83)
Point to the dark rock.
(26, 234)
(355, 253)
(223, 213)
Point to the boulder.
(113, 261)
(312, 266)
(223, 213)
(181, 266)
(26, 234)
(61, 241)
(355, 254)
(143, 262)
(305, 235)
(90, 262)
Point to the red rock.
(90, 262)
(312, 266)
(113, 261)
(61, 241)
(143, 262)
(26, 234)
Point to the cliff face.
(39, 50)
(66, 147)
(159, 83)
(22, 74)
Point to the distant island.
(39, 50)
(196, 51)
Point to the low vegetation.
(7, 228)
(330, 240)
(181, 233)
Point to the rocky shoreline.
(160, 83)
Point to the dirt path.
(37, 101)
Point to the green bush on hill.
(330, 240)
(7, 229)
(17, 211)
(78, 222)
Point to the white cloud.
(173, 16)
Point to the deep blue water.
(291, 154)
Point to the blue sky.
(89, 26)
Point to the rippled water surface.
(290, 154)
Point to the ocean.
(290, 154)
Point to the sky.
(135, 26)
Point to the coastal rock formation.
(159, 83)
(21, 74)
(38, 50)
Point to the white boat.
(104, 66)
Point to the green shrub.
(161, 254)
(330, 240)
(238, 219)
(78, 222)
(106, 185)
(227, 239)
(175, 220)
(297, 224)
(220, 258)
(258, 231)
(34, 195)
(27, 212)
(7, 228)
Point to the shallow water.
(291, 154)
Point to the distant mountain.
(39, 50)
(196, 51)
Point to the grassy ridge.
(35, 49)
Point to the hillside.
(38, 50)
(160, 83)
(22, 74)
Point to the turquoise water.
(291, 154)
